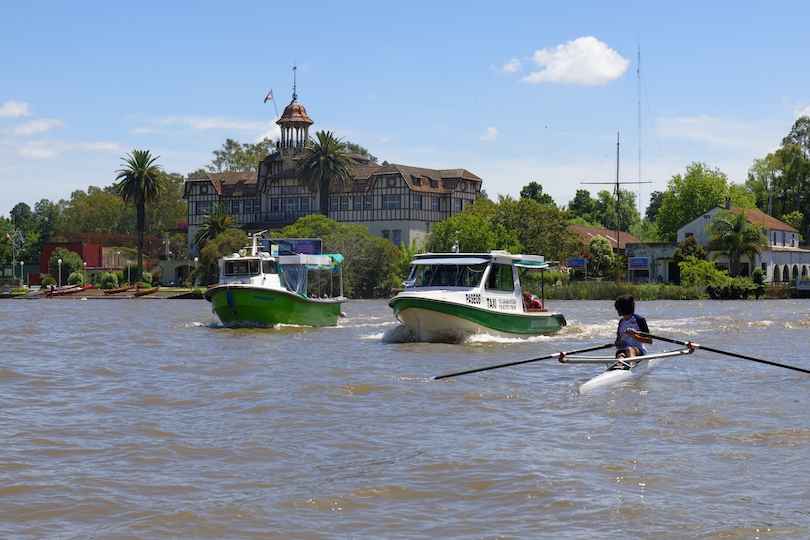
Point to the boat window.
(241, 268)
(268, 267)
(500, 278)
(447, 275)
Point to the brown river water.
(145, 419)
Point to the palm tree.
(216, 223)
(139, 182)
(325, 165)
(734, 236)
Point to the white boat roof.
(524, 261)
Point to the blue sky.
(513, 92)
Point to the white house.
(783, 260)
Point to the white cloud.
(715, 131)
(803, 112)
(13, 109)
(50, 149)
(512, 66)
(214, 122)
(41, 125)
(583, 61)
(490, 134)
(143, 130)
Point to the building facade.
(782, 260)
(397, 202)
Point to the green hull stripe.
(510, 323)
(234, 305)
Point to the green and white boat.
(261, 288)
(450, 296)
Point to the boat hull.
(617, 376)
(437, 320)
(245, 305)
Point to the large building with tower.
(397, 202)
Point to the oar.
(727, 353)
(519, 362)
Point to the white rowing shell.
(616, 376)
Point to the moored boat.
(450, 296)
(282, 286)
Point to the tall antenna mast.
(295, 93)
(617, 192)
(638, 88)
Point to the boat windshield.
(249, 267)
(447, 275)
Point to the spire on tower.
(295, 94)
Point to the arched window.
(777, 275)
(804, 270)
(795, 272)
(786, 273)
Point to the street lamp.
(118, 259)
(84, 276)
(22, 277)
(129, 282)
(194, 281)
(60, 270)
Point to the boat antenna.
(638, 90)
(254, 250)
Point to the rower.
(629, 343)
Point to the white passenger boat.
(449, 296)
(620, 371)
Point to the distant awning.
(451, 261)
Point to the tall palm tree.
(325, 165)
(734, 236)
(216, 223)
(139, 182)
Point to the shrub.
(71, 262)
(143, 285)
(738, 288)
(48, 280)
(75, 278)
(696, 273)
(609, 290)
(146, 277)
(108, 280)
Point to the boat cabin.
(309, 275)
(498, 279)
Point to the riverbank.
(163, 293)
(609, 290)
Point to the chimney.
(728, 203)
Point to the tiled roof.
(758, 217)
(586, 234)
(230, 183)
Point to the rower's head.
(625, 305)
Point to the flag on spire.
(269, 96)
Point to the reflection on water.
(149, 420)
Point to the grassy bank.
(608, 290)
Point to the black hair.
(625, 305)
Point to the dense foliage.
(734, 236)
(230, 241)
(324, 166)
(71, 262)
(234, 156)
(694, 193)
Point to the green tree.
(539, 228)
(734, 236)
(325, 165)
(355, 148)
(471, 233)
(139, 183)
(655, 204)
(71, 262)
(646, 231)
(215, 223)
(799, 135)
(605, 210)
(534, 190)
(95, 211)
(689, 196)
(700, 273)
(794, 219)
(234, 156)
(689, 248)
(21, 216)
(601, 256)
(230, 241)
(583, 206)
